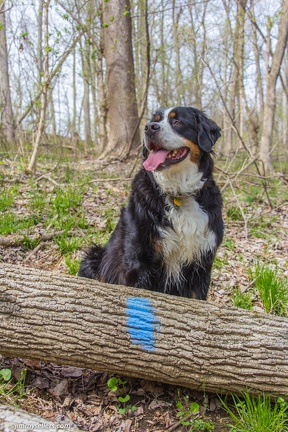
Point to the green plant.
(234, 213)
(72, 265)
(7, 198)
(37, 201)
(11, 393)
(260, 227)
(272, 289)
(219, 262)
(188, 414)
(67, 200)
(117, 385)
(242, 300)
(68, 245)
(5, 374)
(110, 220)
(29, 243)
(66, 212)
(11, 223)
(229, 243)
(257, 414)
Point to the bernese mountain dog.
(167, 236)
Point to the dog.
(167, 236)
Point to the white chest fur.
(188, 237)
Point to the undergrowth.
(272, 289)
(257, 414)
(10, 392)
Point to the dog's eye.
(177, 123)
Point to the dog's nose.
(152, 127)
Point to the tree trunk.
(225, 145)
(121, 94)
(7, 121)
(85, 54)
(81, 322)
(102, 96)
(285, 108)
(44, 97)
(237, 72)
(270, 98)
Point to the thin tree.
(236, 84)
(270, 97)
(85, 58)
(44, 96)
(285, 107)
(7, 119)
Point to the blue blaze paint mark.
(142, 323)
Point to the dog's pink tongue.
(155, 159)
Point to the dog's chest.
(187, 238)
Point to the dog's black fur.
(136, 254)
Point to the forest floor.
(47, 221)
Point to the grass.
(272, 289)
(261, 227)
(68, 245)
(12, 223)
(11, 393)
(67, 199)
(229, 243)
(257, 414)
(29, 208)
(7, 198)
(234, 213)
(72, 265)
(242, 300)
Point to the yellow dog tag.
(177, 202)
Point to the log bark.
(206, 346)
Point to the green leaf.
(122, 411)
(124, 399)
(112, 383)
(194, 407)
(185, 423)
(6, 374)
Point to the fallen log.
(75, 321)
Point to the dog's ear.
(208, 133)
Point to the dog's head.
(174, 134)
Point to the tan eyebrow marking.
(172, 114)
